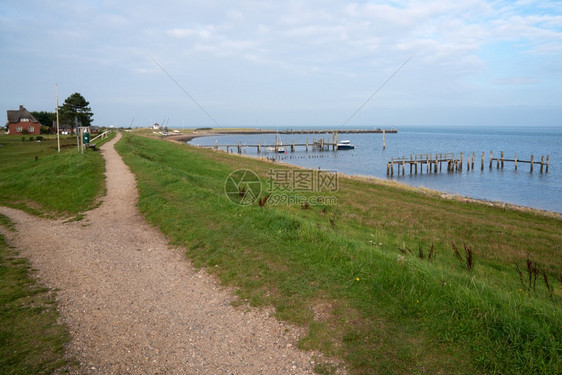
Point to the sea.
(369, 158)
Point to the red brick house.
(22, 122)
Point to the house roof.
(17, 115)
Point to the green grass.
(336, 268)
(31, 340)
(35, 178)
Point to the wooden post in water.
(482, 166)
(502, 159)
(383, 140)
(515, 161)
(497, 163)
(436, 159)
(416, 167)
(410, 163)
(307, 145)
(460, 163)
(491, 158)
(472, 160)
(293, 146)
(547, 162)
(403, 166)
(392, 167)
(387, 168)
(542, 162)
(531, 163)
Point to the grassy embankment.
(347, 273)
(35, 178)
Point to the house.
(66, 129)
(22, 122)
(94, 129)
(156, 126)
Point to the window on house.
(18, 129)
(24, 119)
(30, 129)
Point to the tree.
(45, 118)
(75, 106)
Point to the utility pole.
(58, 136)
(77, 135)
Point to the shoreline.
(377, 180)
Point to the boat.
(345, 145)
(279, 145)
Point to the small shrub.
(39, 138)
(468, 258)
(32, 138)
(263, 201)
(23, 139)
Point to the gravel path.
(136, 306)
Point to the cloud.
(306, 54)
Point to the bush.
(32, 138)
(39, 138)
(23, 138)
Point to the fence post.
(531, 163)
(482, 166)
(515, 161)
(491, 158)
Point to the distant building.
(66, 129)
(156, 126)
(22, 122)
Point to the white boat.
(345, 145)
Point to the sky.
(311, 63)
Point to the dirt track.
(135, 305)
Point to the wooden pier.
(315, 145)
(434, 162)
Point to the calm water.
(520, 187)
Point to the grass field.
(35, 178)
(391, 279)
(31, 340)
